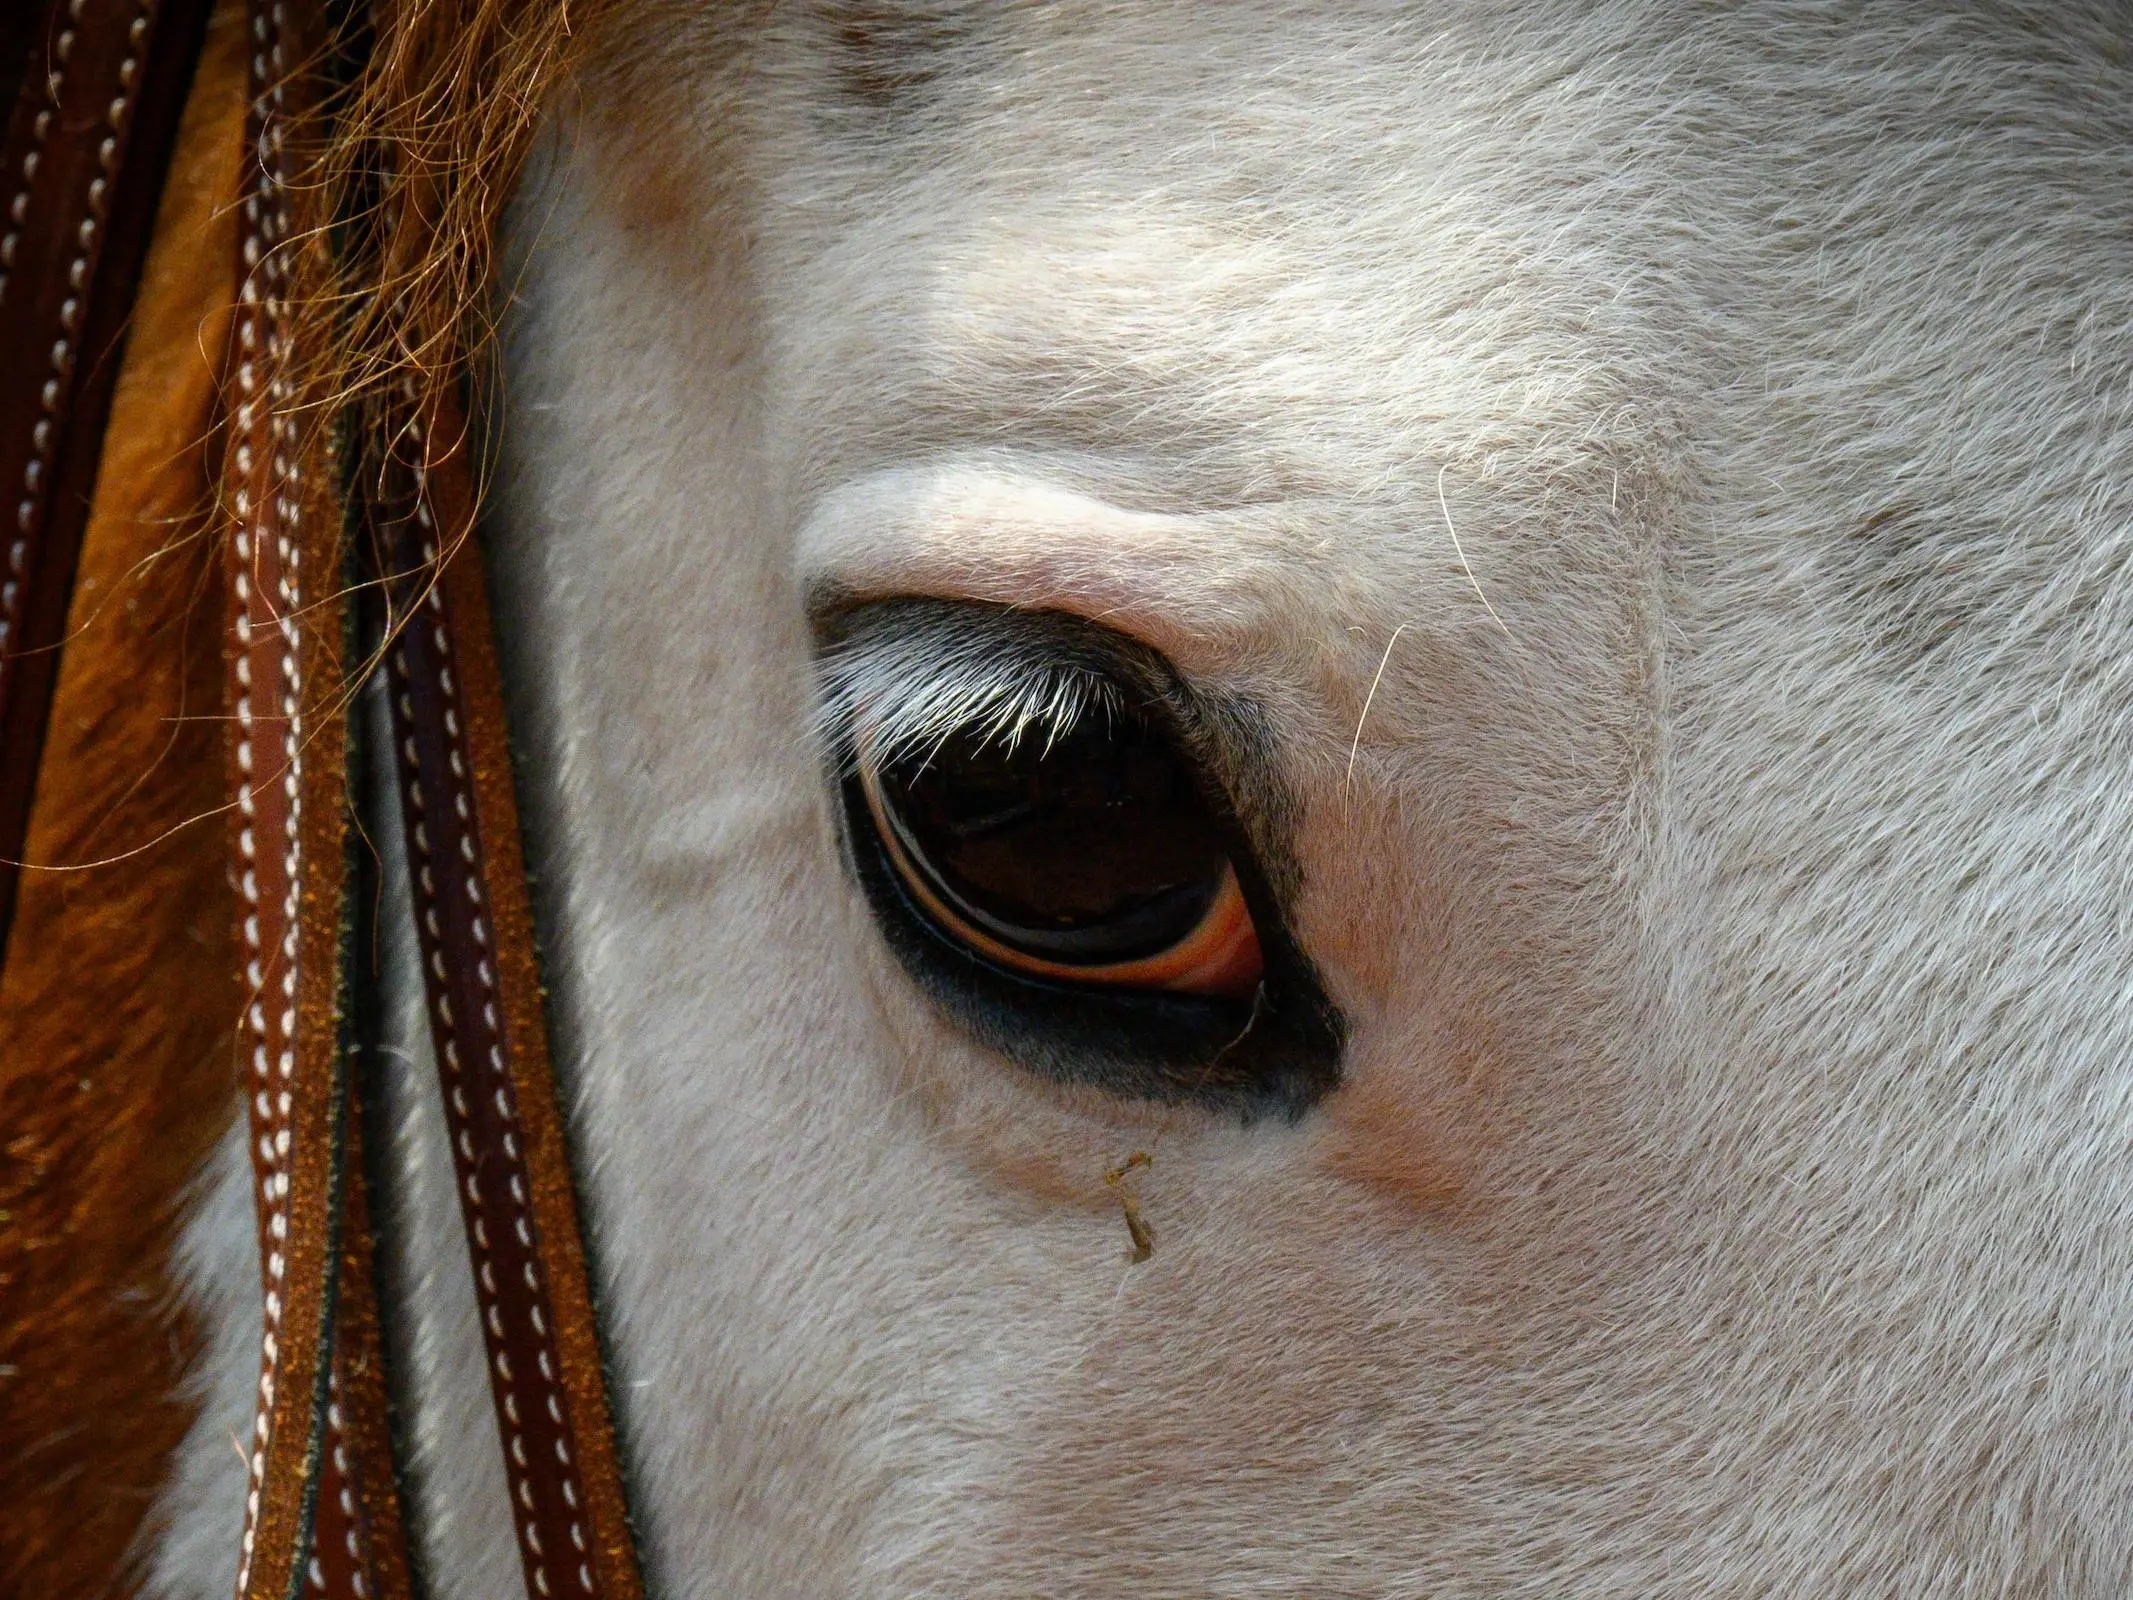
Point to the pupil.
(1094, 848)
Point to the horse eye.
(1086, 857)
(1088, 899)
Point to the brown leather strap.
(322, 1507)
(321, 1481)
(119, 994)
(359, 1548)
(78, 177)
(287, 696)
(86, 147)
(546, 1374)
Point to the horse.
(1321, 799)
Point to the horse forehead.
(1272, 248)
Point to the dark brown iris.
(1090, 848)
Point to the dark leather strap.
(475, 925)
(86, 148)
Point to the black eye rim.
(1275, 1054)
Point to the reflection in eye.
(1089, 856)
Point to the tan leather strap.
(359, 1545)
(87, 143)
(288, 698)
(476, 931)
(118, 994)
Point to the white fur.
(190, 1551)
(1731, 1189)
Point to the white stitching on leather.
(34, 481)
(448, 1055)
(263, 303)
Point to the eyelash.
(1026, 940)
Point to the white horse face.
(1634, 498)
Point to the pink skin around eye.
(1219, 958)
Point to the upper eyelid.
(985, 532)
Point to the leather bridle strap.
(288, 695)
(322, 1478)
(318, 499)
(475, 929)
(81, 166)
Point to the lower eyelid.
(1221, 957)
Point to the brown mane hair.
(444, 105)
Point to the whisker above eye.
(907, 691)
